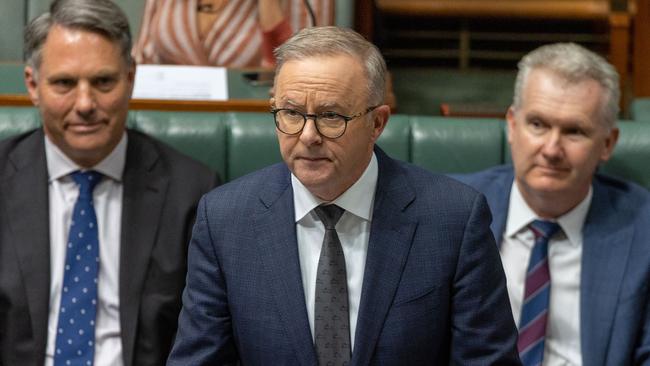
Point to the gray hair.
(328, 41)
(98, 16)
(573, 63)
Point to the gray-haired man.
(341, 255)
(574, 243)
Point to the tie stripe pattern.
(331, 313)
(75, 339)
(534, 313)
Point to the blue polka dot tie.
(75, 338)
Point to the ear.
(379, 121)
(610, 143)
(272, 102)
(31, 83)
(511, 121)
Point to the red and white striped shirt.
(170, 34)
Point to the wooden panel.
(642, 49)
(619, 50)
(363, 18)
(557, 9)
(236, 105)
(599, 11)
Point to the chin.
(550, 187)
(86, 145)
(314, 180)
(311, 180)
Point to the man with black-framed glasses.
(341, 255)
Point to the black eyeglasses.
(329, 124)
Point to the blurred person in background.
(230, 33)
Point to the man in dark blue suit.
(410, 274)
(561, 126)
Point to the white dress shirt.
(562, 344)
(107, 200)
(353, 230)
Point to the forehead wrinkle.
(560, 114)
(315, 99)
(317, 85)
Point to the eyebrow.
(565, 122)
(60, 75)
(68, 75)
(331, 105)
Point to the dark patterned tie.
(534, 312)
(75, 336)
(331, 315)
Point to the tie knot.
(544, 229)
(86, 180)
(329, 215)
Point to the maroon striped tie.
(534, 312)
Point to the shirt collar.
(358, 199)
(520, 215)
(59, 165)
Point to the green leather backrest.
(252, 143)
(236, 143)
(201, 135)
(453, 145)
(395, 138)
(15, 120)
(631, 158)
(640, 109)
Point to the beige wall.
(15, 13)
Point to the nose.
(85, 102)
(309, 134)
(552, 147)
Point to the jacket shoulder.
(622, 192)
(480, 180)
(25, 144)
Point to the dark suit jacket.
(614, 299)
(433, 291)
(161, 190)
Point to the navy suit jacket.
(433, 290)
(614, 300)
(161, 189)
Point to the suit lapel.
(145, 187)
(498, 197)
(605, 250)
(25, 193)
(275, 231)
(391, 236)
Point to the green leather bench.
(640, 109)
(237, 143)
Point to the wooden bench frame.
(619, 21)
